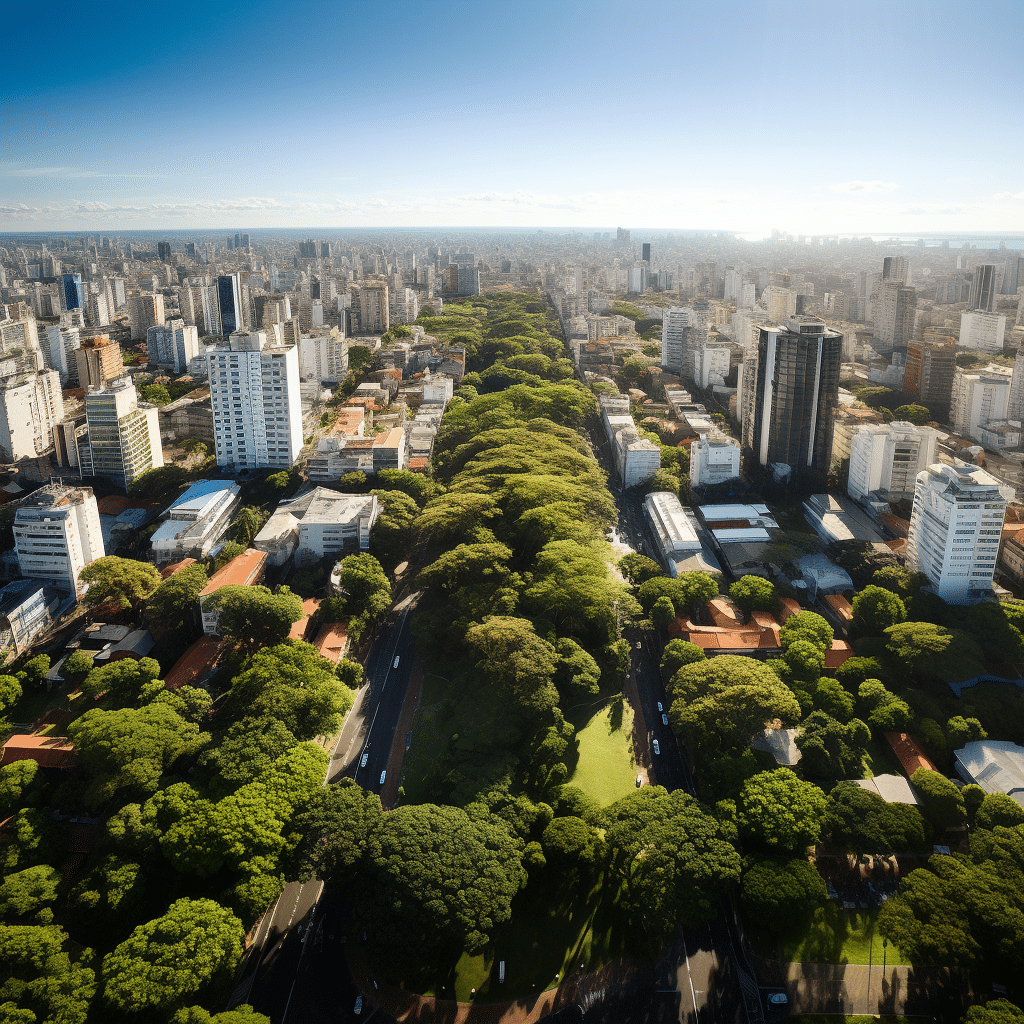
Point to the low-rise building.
(318, 524)
(995, 765)
(27, 607)
(835, 519)
(714, 458)
(886, 458)
(337, 455)
(196, 520)
(244, 570)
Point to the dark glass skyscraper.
(646, 252)
(74, 293)
(229, 302)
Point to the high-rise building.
(894, 319)
(1013, 274)
(979, 396)
(955, 528)
(790, 395)
(98, 361)
(636, 280)
(257, 411)
(780, 303)
(30, 406)
(645, 253)
(928, 379)
(173, 343)
(73, 291)
(896, 268)
(983, 287)
(982, 331)
(19, 344)
(621, 234)
(229, 305)
(370, 305)
(145, 311)
(124, 433)
(57, 534)
(676, 325)
(1015, 403)
(60, 355)
(323, 355)
(886, 458)
(163, 250)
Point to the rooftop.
(243, 571)
(910, 755)
(46, 751)
(893, 789)
(195, 664)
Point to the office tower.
(714, 458)
(468, 280)
(790, 395)
(955, 527)
(733, 285)
(145, 311)
(257, 414)
(885, 458)
(98, 311)
(73, 294)
(982, 331)
(675, 332)
(163, 250)
(190, 250)
(61, 343)
(173, 343)
(98, 361)
(1015, 402)
(57, 534)
(323, 356)
(30, 406)
(372, 306)
(238, 240)
(780, 303)
(645, 253)
(983, 287)
(895, 268)
(124, 433)
(979, 397)
(187, 304)
(621, 235)
(928, 379)
(636, 280)
(229, 305)
(245, 240)
(894, 319)
(1013, 275)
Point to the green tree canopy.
(807, 626)
(27, 894)
(516, 661)
(941, 802)
(253, 617)
(862, 822)
(995, 1011)
(126, 683)
(753, 593)
(678, 653)
(41, 981)
(830, 749)
(916, 414)
(638, 568)
(875, 609)
(776, 892)
(365, 587)
(779, 812)
(247, 524)
(884, 711)
(243, 1014)
(998, 809)
(121, 582)
(171, 959)
(926, 649)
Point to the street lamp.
(885, 942)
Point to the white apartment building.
(62, 342)
(711, 361)
(19, 346)
(681, 329)
(173, 343)
(57, 534)
(887, 458)
(31, 405)
(124, 433)
(636, 458)
(323, 355)
(955, 529)
(714, 458)
(145, 311)
(982, 332)
(196, 521)
(438, 389)
(1015, 403)
(257, 408)
(978, 397)
(780, 302)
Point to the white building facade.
(257, 407)
(887, 458)
(713, 460)
(173, 343)
(955, 528)
(978, 397)
(124, 433)
(982, 332)
(31, 405)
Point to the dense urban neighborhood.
(459, 626)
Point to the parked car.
(358, 1008)
(383, 776)
(664, 719)
(660, 707)
(363, 760)
(639, 781)
(657, 747)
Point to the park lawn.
(606, 770)
(838, 936)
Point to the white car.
(363, 760)
(383, 776)
(358, 1008)
(660, 708)
(664, 719)
(657, 747)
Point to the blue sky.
(858, 117)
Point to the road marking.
(693, 995)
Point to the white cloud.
(864, 186)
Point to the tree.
(253, 617)
(20, 781)
(572, 847)
(941, 801)
(365, 586)
(830, 749)
(780, 812)
(884, 711)
(663, 614)
(155, 394)
(926, 649)
(41, 982)
(121, 582)
(516, 661)
(674, 858)
(638, 568)
(723, 702)
(29, 892)
(126, 683)
(230, 551)
(830, 697)
(130, 749)
(916, 414)
(753, 593)
(76, 666)
(33, 672)
(172, 958)
(110, 897)
(679, 653)
(776, 892)
(433, 881)
(578, 675)
(875, 609)
(998, 810)
(861, 821)
(10, 693)
(175, 600)
(807, 626)
(247, 524)
(804, 660)
(854, 671)
(393, 528)
(243, 1014)
(961, 731)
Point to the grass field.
(606, 770)
(838, 936)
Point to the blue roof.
(201, 489)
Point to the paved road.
(292, 949)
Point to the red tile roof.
(244, 570)
(418, 463)
(789, 606)
(46, 751)
(840, 605)
(332, 640)
(298, 630)
(195, 664)
(896, 525)
(910, 755)
(838, 653)
(170, 570)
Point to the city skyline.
(272, 116)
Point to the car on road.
(660, 708)
(383, 776)
(363, 760)
(395, 665)
(664, 719)
(358, 1008)
(778, 999)
(657, 747)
